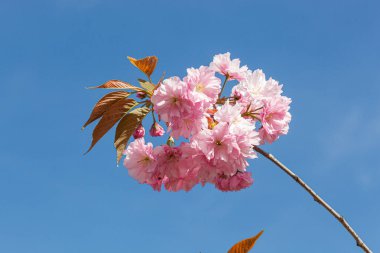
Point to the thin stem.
(143, 102)
(150, 79)
(224, 84)
(154, 117)
(318, 199)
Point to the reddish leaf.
(104, 104)
(110, 117)
(126, 127)
(246, 245)
(116, 84)
(146, 65)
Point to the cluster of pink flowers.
(220, 131)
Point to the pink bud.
(139, 132)
(156, 130)
(236, 95)
(141, 94)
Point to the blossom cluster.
(220, 131)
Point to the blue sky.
(54, 199)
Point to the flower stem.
(318, 199)
(154, 117)
(224, 84)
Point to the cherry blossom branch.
(318, 199)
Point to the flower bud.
(141, 94)
(170, 141)
(156, 130)
(211, 123)
(139, 132)
(236, 95)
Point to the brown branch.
(359, 242)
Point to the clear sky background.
(54, 199)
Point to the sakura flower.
(207, 171)
(155, 181)
(179, 172)
(246, 139)
(186, 182)
(220, 137)
(275, 118)
(140, 160)
(231, 114)
(168, 159)
(204, 84)
(223, 64)
(196, 161)
(189, 125)
(156, 130)
(228, 145)
(255, 87)
(242, 129)
(139, 132)
(236, 182)
(171, 99)
(218, 143)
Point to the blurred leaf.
(116, 84)
(126, 128)
(104, 104)
(146, 65)
(149, 87)
(246, 245)
(110, 117)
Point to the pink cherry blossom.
(220, 137)
(186, 182)
(204, 85)
(139, 132)
(220, 148)
(229, 144)
(190, 166)
(246, 139)
(236, 182)
(196, 161)
(155, 181)
(256, 87)
(168, 159)
(140, 160)
(187, 126)
(275, 118)
(171, 99)
(156, 130)
(177, 171)
(231, 114)
(241, 128)
(217, 143)
(223, 64)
